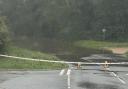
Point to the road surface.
(89, 78)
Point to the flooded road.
(89, 78)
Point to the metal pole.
(104, 31)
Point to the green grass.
(15, 51)
(99, 44)
(10, 63)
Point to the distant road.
(89, 78)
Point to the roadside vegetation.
(10, 63)
(99, 44)
(7, 48)
(115, 47)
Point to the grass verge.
(99, 44)
(10, 63)
(102, 44)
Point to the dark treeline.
(67, 19)
(4, 35)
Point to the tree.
(4, 35)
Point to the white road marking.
(66, 62)
(62, 72)
(69, 81)
(113, 74)
(68, 72)
(122, 81)
(126, 74)
(69, 78)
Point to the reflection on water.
(89, 85)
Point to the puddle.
(89, 85)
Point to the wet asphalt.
(91, 77)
